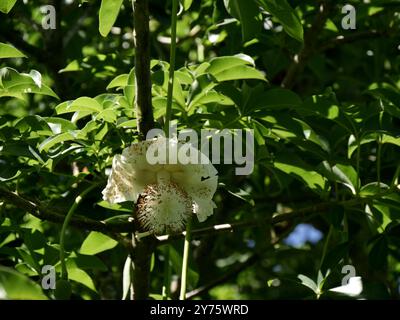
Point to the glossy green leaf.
(8, 51)
(290, 164)
(239, 73)
(7, 5)
(47, 144)
(15, 84)
(186, 4)
(371, 137)
(109, 10)
(119, 81)
(114, 206)
(248, 13)
(16, 286)
(97, 242)
(84, 104)
(81, 277)
(59, 125)
(342, 173)
(210, 97)
(282, 11)
(220, 64)
(34, 124)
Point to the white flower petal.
(203, 208)
(119, 186)
(136, 169)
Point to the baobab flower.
(169, 181)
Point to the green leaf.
(307, 282)
(7, 51)
(221, 64)
(15, 84)
(372, 189)
(81, 277)
(108, 14)
(282, 11)
(81, 104)
(248, 13)
(53, 140)
(129, 89)
(342, 173)
(292, 165)
(114, 206)
(210, 97)
(371, 137)
(59, 125)
(34, 123)
(118, 81)
(234, 68)
(108, 115)
(160, 104)
(71, 67)
(160, 78)
(321, 105)
(186, 4)
(124, 123)
(16, 286)
(97, 242)
(7, 5)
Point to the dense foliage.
(324, 104)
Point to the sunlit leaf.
(108, 14)
(8, 51)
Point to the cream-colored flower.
(166, 193)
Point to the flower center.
(163, 208)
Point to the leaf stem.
(186, 247)
(78, 199)
(358, 156)
(174, 14)
(326, 244)
(378, 160)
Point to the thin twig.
(339, 40)
(53, 215)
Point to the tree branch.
(53, 215)
(339, 40)
(306, 212)
(143, 105)
(142, 249)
